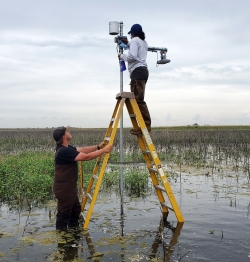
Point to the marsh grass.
(27, 156)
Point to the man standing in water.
(66, 175)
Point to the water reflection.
(68, 243)
(164, 242)
(122, 257)
(199, 196)
(160, 240)
(96, 256)
(70, 246)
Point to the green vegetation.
(27, 157)
(26, 176)
(136, 182)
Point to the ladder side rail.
(85, 197)
(98, 161)
(167, 186)
(143, 147)
(114, 116)
(104, 164)
(131, 112)
(157, 162)
(152, 174)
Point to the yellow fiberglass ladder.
(151, 158)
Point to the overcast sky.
(59, 66)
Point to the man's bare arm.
(92, 155)
(89, 149)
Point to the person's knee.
(141, 84)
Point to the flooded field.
(209, 172)
(215, 207)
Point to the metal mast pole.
(121, 130)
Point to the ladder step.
(89, 196)
(160, 188)
(146, 152)
(132, 115)
(125, 95)
(153, 170)
(95, 177)
(83, 216)
(165, 205)
(107, 138)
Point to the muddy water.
(215, 207)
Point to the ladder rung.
(83, 216)
(107, 138)
(132, 115)
(153, 170)
(95, 177)
(146, 152)
(160, 188)
(164, 204)
(125, 95)
(89, 196)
